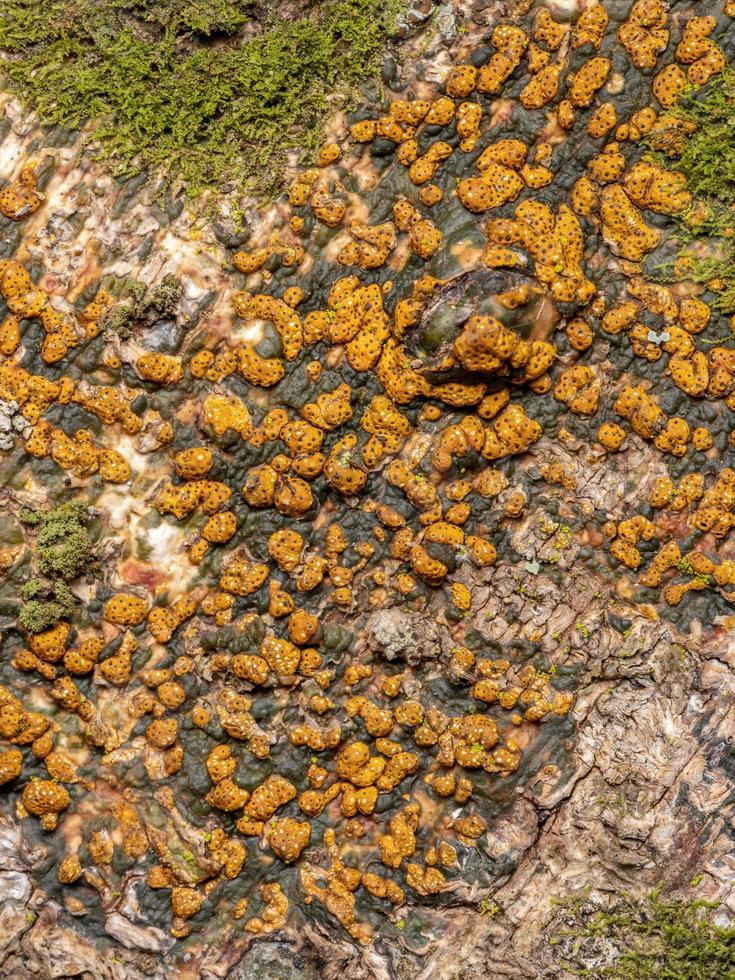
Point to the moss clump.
(63, 547)
(189, 89)
(204, 17)
(39, 614)
(715, 226)
(35, 616)
(32, 589)
(164, 298)
(32, 518)
(707, 159)
(663, 938)
(143, 305)
(708, 156)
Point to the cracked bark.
(641, 794)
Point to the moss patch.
(708, 162)
(62, 552)
(143, 305)
(63, 547)
(45, 606)
(659, 937)
(708, 156)
(194, 90)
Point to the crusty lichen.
(334, 488)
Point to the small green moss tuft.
(164, 298)
(119, 320)
(36, 616)
(31, 589)
(63, 547)
(44, 606)
(143, 305)
(64, 597)
(31, 518)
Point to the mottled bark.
(636, 790)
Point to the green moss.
(63, 547)
(662, 938)
(62, 551)
(31, 518)
(143, 306)
(164, 298)
(64, 597)
(708, 238)
(31, 589)
(708, 162)
(38, 615)
(708, 157)
(119, 320)
(197, 16)
(188, 89)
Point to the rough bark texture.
(645, 797)
(633, 791)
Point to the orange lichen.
(623, 225)
(163, 369)
(45, 799)
(288, 838)
(644, 35)
(126, 609)
(21, 197)
(696, 50)
(369, 476)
